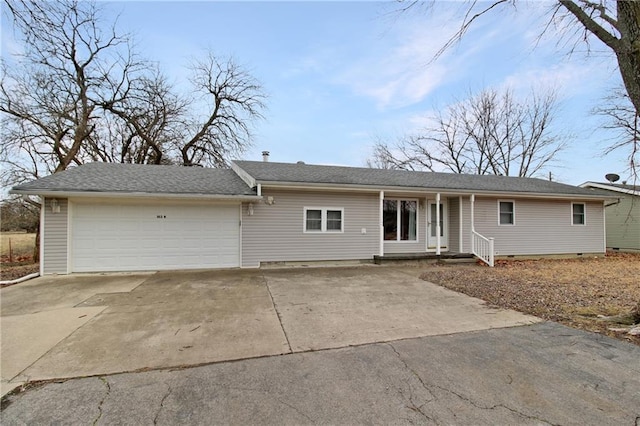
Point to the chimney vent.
(265, 156)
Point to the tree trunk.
(629, 54)
(36, 249)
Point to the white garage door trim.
(147, 236)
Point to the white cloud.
(398, 72)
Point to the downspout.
(438, 224)
(381, 212)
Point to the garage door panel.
(153, 237)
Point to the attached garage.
(107, 236)
(108, 217)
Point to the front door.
(432, 226)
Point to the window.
(578, 213)
(507, 213)
(433, 223)
(334, 220)
(314, 220)
(317, 219)
(400, 220)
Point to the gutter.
(422, 190)
(164, 196)
(613, 204)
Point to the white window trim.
(323, 216)
(398, 214)
(584, 215)
(514, 213)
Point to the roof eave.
(373, 188)
(110, 194)
(609, 188)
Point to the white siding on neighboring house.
(541, 227)
(275, 232)
(54, 238)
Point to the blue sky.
(340, 75)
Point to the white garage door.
(143, 237)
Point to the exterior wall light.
(55, 206)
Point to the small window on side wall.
(320, 220)
(506, 213)
(578, 213)
(314, 220)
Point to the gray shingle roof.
(136, 178)
(272, 172)
(609, 187)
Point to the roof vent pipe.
(265, 156)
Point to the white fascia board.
(246, 177)
(420, 190)
(609, 188)
(89, 194)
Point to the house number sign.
(161, 216)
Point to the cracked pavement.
(538, 374)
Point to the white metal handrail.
(482, 247)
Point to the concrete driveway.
(88, 325)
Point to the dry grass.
(20, 263)
(571, 291)
(22, 244)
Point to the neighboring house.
(622, 215)
(124, 217)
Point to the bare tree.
(615, 23)
(488, 133)
(620, 116)
(79, 93)
(233, 99)
(146, 130)
(54, 89)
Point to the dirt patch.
(574, 292)
(13, 272)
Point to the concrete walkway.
(532, 375)
(87, 325)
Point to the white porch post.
(426, 224)
(381, 223)
(438, 224)
(473, 199)
(460, 227)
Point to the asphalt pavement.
(543, 373)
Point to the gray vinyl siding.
(623, 223)
(541, 227)
(54, 238)
(454, 224)
(275, 233)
